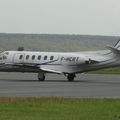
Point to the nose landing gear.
(41, 76)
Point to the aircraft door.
(18, 58)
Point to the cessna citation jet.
(68, 64)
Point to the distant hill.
(48, 42)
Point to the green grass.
(108, 71)
(59, 109)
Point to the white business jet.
(68, 64)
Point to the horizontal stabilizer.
(114, 50)
(117, 45)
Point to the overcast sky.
(96, 17)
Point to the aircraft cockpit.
(3, 56)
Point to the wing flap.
(49, 69)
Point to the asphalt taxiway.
(85, 85)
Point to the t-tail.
(115, 49)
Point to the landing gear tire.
(41, 76)
(71, 77)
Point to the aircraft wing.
(40, 67)
(26, 65)
(49, 69)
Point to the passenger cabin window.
(27, 57)
(45, 57)
(0, 58)
(39, 57)
(21, 57)
(4, 57)
(33, 57)
(52, 57)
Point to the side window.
(0, 58)
(21, 57)
(52, 57)
(4, 57)
(39, 57)
(45, 57)
(27, 57)
(33, 57)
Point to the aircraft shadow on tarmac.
(76, 81)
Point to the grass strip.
(107, 71)
(23, 108)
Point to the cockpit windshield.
(6, 53)
(3, 55)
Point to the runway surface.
(85, 85)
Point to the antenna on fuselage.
(20, 49)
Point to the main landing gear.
(71, 77)
(41, 76)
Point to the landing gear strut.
(71, 77)
(41, 76)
